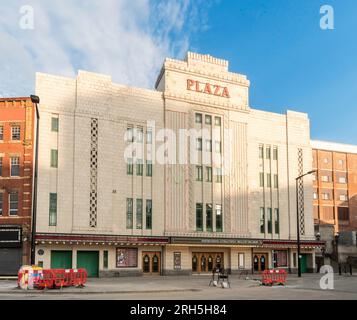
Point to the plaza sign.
(215, 90)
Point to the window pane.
(208, 119)
(268, 180)
(268, 151)
(218, 121)
(198, 118)
(209, 174)
(54, 124)
(148, 168)
(219, 175)
(261, 152)
(275, 154)
(105, 259)
(129, 213)
(276, 219)
(15, 167)
(262, 220)
(199, 217)
(129, 167)
(13, 203)
(219, 218)
(261, 179)
(53, 209)
(199, 144)
(149, 214)
(15, 133)
(270, 226)
(1, 133)
(276, 181)
(209, 222)
(139, 214)
(139, 167)
(199, 175)
(209, 145)
(54, 158)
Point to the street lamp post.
(298, 221)
(35, 100)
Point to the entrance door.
(151, 262)
(10, 261)
(206, 262)
(260, 262)
(89, 260)
(61, 259)
(303, 262)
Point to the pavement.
(190, 288)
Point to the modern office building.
(176, 180)
(16, 171)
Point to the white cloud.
(127, 39)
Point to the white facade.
(92, 184)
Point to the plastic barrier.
(59, 278)
(27, 276)
(276, 276)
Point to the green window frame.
(54, 158)
(199, 216)
(277, 220)
(129, 167)
(209, 217)
(199, 173)
(148, 168)
(270, 222)
(219, 218)
(53, 210)
(139, 214)
(139, 168)
(129, 213)
(262, 220)
(54, 124)
(148, 214)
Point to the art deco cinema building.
(118, 212)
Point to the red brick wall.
(18, 111)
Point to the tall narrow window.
(53, 210)
(219, 175)
(209, 217)
(276, 221)
(129, 213)
(275, 154)
(54, 124)
(262, 220)
(199, 216)
(268, 152)
(261, 179)
(199, 144)
(129, 167)
(219, 218)
(217, 121)
(218, 146)
(208, 119)
(13, 203)
(268, 180)
(148, 168)
(270, 218)
(139, 167)
(54, 158)
(1, 133)
(139, 214)
(148, 214)
(261, 152)
(198, 118)
(276, 181)
(15, 133)
(1, 202)
(129, 135)
(149, 137)
(15, 166)
(139, 135)
(209, 174)
(199, 174)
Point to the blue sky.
(278, 44)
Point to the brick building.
(335, 185)
(106, 202)
(16, 171)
